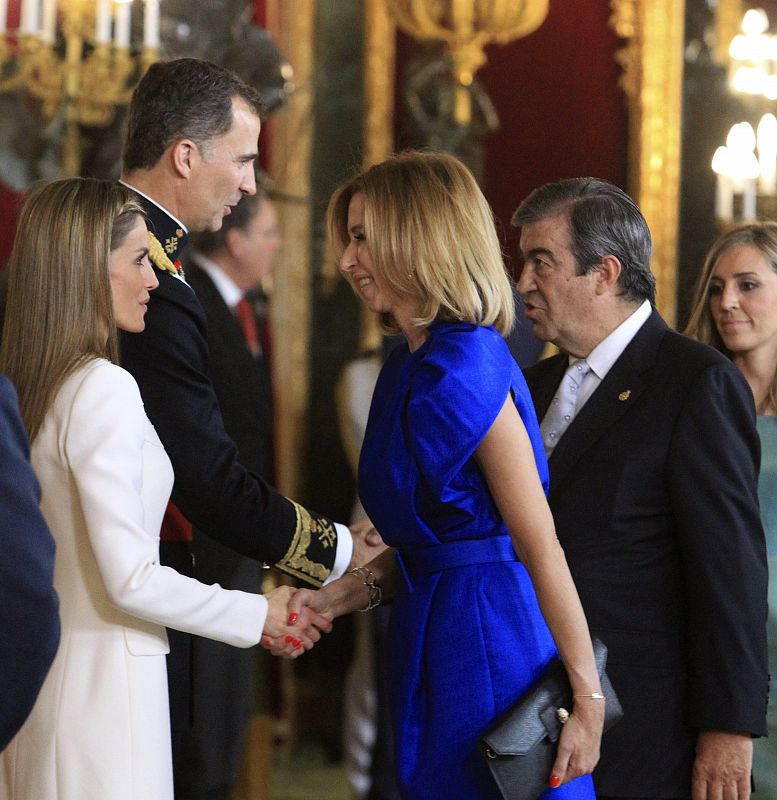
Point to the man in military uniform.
(227, 269)
(191, 144)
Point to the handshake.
(296, 618)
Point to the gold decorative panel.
(652, 60)
(290, 132)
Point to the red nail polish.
(289, 639)
(298, 644)
(555, 781)
(293, 617)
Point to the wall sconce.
(740, 171)
(754, 57)
(75, 57)
(466, 27)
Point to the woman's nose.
(347, 260)
(729, 297)
(151, 280)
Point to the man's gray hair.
(603, 220)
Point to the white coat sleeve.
(103, 444)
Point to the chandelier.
(77, 59)
(466, 27)
(746, 166)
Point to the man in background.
(653, 456)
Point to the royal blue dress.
(467, 635)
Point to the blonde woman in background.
(100, 727)
(735, 311)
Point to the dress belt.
(449, 555)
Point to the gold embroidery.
(325, 529)
(296, 561)
(624, 395)
(171, 244)
(159, 257)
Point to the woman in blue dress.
(453, 475)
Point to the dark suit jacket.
(217, 494)
(29, 618)
(207, 757)
(169, 360)
(242, 382)
(653, 491)
(242, 385)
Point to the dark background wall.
(561, 113)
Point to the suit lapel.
(616, 394)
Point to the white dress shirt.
(609, 350)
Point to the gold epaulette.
(160, 259)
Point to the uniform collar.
(170, 232)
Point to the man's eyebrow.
(539, 251)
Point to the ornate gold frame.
(378, 131)
(292, 23)
(291, 140)
(652, 60)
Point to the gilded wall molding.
(379, 61)
(652, 60)
(290, 134)
(378, 132)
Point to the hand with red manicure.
(287, 639)
(578, 746)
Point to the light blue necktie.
(564, 406)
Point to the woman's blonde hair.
(762, 236)
(431, 235)
(59, 311)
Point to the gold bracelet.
(375, 592)
(592, 696)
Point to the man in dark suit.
(227, 269)
(192, 139)
(653, 456)
(29, 609)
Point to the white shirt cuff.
(344, 552)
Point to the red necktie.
(247, 320)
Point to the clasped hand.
(297, 617)
(367, 542)
(307, 612)
(290, 635)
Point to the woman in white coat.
(100, 727)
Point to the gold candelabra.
(76, 58)
(466, 27)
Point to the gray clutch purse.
(520, 748)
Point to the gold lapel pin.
(624, 395)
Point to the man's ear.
(608, 274)
(183, 156)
